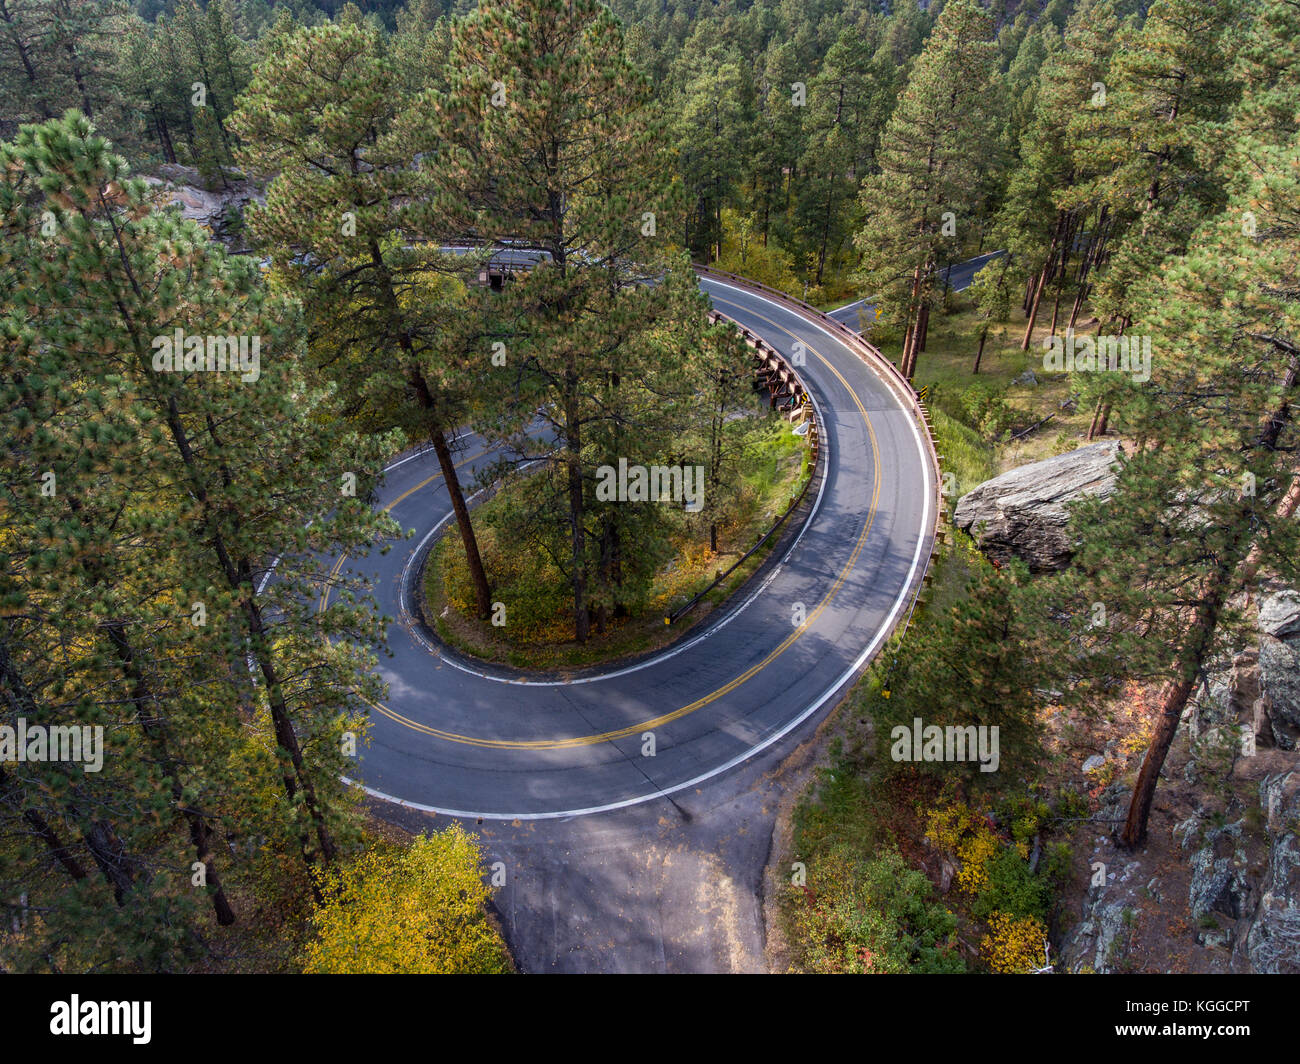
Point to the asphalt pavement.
(615, 859)
(959, 277)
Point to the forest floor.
(538, 634)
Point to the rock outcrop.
(1224, 870)
(1272, 943)
(1022, 513)
(218, 206)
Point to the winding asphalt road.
(666, 873)
(459, 738)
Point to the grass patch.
(975, 413)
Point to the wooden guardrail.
(887, 372)
(782, 381)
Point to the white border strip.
(404, 599)
(834, 688)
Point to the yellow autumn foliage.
(1014, 946)
(975, 852)
(958, 830)
(946, 825)
(418, 909)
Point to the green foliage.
(156, 510)
(986, 409)
(966, 664)
(858, 915)
(1166, 205)
(1012, 888)
(933, 162)
(521, 543)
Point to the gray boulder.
(1279, 615)
(1279, 673)
(1022, 513)
(1272, 944)
(216, 206)
(1218, 883)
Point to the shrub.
(417, 909)
(1012, 888)
(1014, 945)
(874, 915)
(986, 410)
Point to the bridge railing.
(868, 352)
(888, 372)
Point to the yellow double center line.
(713, 696)
(338, 565)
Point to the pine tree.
(714, 127)
(1206, 500)
(546, 143)
(81, 643)
(930, 155)
(843, 127)
(778, 136)
(323, 117)
(241, 471)
(55, 54)
(420, 45)
(1268, 69)
(1044, 216)
(26, 73)
(990, 291)
(1159, 160)
(1153, 143)
(965, 667)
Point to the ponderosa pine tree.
(25, 75)
(80, 644)
(420, 45)
(1155, 149)
(931, 154)
(243, 476)
(1207, 498)
(1268, 69)
(990, 291)
(218, 69)
(965, 667)
(842, 128)
(1040, 233)
(720, 361)
(714, 127)
(777, 142)
(546, 144)
(341, 223)
(55, 54)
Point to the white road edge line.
(693, 641)
(834, 688)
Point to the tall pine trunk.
(437, 432)
(1044, 275)
(1205, 620)
(482, 591)
(577, 506)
